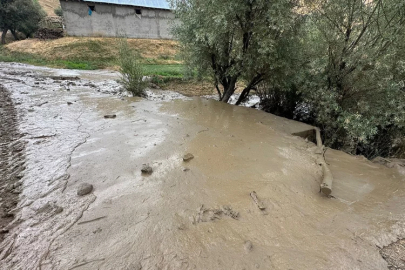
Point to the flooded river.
(198, 214)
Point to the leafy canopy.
(20, 15)
(355, 83)
(233, 40)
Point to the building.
(111, 18)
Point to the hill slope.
(49, 6)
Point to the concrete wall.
(115, 20)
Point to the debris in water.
(58, 209)
(84, 189)
(110, 116)
(248, 246)
(188, 157)
(393, 255)
(42, 103)
(326, 186)
(257, 201)
(227, 210)
(212, 214)
(63, 78)
(135, 266)
(146, 169)
(91, 220)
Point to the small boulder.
(58, 209)
(188, 157)
(84, 189)
(146, 169)
(248, 246)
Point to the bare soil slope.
(152, 51)
(49, 6)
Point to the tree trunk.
(243, 95)
(3, 36)
(14, 34)
(229, 89)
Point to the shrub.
(130, 69)
(58, 11)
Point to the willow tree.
(355, 84)
(234, 40)
(20, 15)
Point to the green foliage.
(130, 69)
(356, 86)
(20, 15)
(172, 71)
(58, 11)
(337, 64)
(233, 40)
(6, 56)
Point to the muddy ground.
(198, 214)
(11, 161)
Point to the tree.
(234, 40)
(355, 79)
(19, 15)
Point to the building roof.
(158, 4)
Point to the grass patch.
(7, 56)
(86, 61)
(175, 71)
(77, 65)
(158, 57)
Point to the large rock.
(84, 189)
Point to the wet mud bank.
(394, 254)
(12, 160)
(185, 184)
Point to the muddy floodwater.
(199, 214)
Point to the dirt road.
(185, 215)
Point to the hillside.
(49, 6)
(97, 49)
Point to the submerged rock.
(146, 169)
(188, 157)
(248, 246)
(84, 189)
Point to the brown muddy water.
(198, 214)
